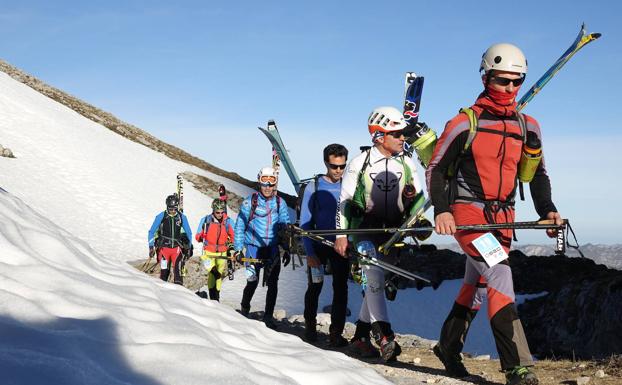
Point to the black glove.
(286, 258)
(190, 251)
(151, 251)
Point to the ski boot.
(363, 348)
(270, 322)
(520, 375)
(310, 330)
(453, 363)
(385, 338)
(389, 349)
(337, 341)
(245, 311)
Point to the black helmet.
(172, 201)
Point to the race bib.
(490, 249)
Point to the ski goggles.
(267, 179)
(505, 81)
(336, 166)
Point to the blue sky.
(203, 75)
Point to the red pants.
(170, 257)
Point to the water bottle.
(424, 141)
(530, 158)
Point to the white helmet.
(504, 57)
(385, 119)
(267, 172)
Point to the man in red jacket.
(472, 179)
(216, 233)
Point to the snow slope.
(80, 201)
(68, 315)
(94, 183)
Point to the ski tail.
(274, 137)
(180, 192)
(412, 98)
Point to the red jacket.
(487, 170)
(215, 235)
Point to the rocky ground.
(417, 363)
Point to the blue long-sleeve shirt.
(318, 209)
(262, 229)
(183, 229)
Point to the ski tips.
(591, 36)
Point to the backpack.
(474, 128)
(301, 194)
(182, 236)
(357, 208)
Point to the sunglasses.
(336, 166)
(396, 134)
(505, 81)
(267, 179)
(267, 184)
(219, 212)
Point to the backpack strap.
(316, 180)
(523, 129)
(254, 198)
(470, 113)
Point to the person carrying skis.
(482, 178)
(319, 204)
(372, 196)
(262, 215)
(170, 238)
(215, 231)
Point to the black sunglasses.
(336, 166)
(505, 81)
(397, 134)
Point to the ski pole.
(543, 224)
(245, 259)
(366, 259)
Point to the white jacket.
(384, 183)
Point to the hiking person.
(372, 196)
(261, 216)
(215, 231)
(479, 156)
(170, 238)
(319, 204)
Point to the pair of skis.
(316, 235)
(279, 150)
(280, 157)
